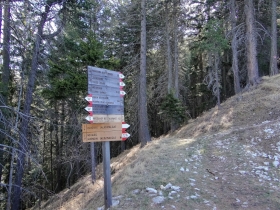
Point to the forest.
(179, 58)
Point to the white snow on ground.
(256, 164)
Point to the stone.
(151, 190)
(158, 199)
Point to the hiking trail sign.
(106, 105)
(106, 117)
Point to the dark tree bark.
(273, 49)
(234, 48)
(6, 51)
(5, 71)
(252, 62)
(144, 133)
(168, 49)
(23, 141)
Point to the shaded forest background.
(198, 53)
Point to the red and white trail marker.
(122, 93)
(89, 98)
(89, 109)
(125, 136)
(124, 125)
(89, 118)
(121, 76)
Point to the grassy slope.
(227, 156)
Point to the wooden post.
(107, 174)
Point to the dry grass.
(227, 155)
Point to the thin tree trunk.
(1, 20)
(273, 49)
(23, 141)
(144, 133)
(234, 48)
(217, 80)
(168, 51)
(8, 207)
(176, 51)
(6, 51)
(5, 72)
(57, 150)
(252, 62)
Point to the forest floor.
(228, 158)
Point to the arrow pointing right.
(121, 76)
(125, 136)
(124, 125)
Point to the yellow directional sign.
(98, 132)
(98, 127)
(100, 136)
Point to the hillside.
(228, 158)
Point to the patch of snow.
(245, 204)
(158, 199)
(177, 188)
(269, 130)
(275, 163)
(115, 203)
(265, 168)
(242, 172)
(151, 190)
(266, 163)
(182, 169)
(172, 193)
(136, 191)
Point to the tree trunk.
(6, 51)
(168, 50)
(176, 51)
(234, 48)
(252, 62)
(57, 149)
(217, 79)
(1, 21)
(5, 72)
(144, 133)
(23, 141)
(273, 49)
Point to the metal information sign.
(105, 118)
(106, 109)
(99, 109)
(105, 90)
(100, 72)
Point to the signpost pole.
(107, 174)
(93, 162)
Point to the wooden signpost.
(106, 117)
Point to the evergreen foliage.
(172, 109)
